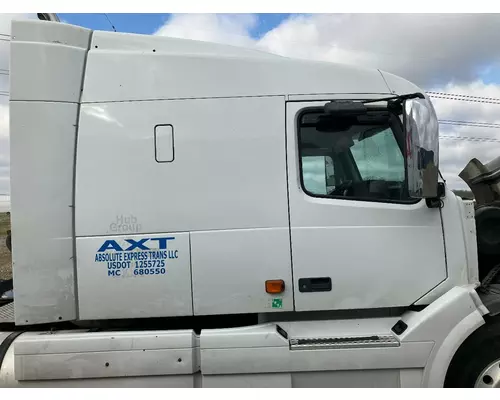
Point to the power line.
(467, 96)
(490, 125)
(463, 99)
(470, 139)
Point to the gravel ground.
(5, 261)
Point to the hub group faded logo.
(125, 224)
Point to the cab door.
(357, 241)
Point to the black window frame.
(400, 142)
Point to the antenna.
(112, 26)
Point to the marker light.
(275, 286)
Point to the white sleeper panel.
(134, 276)
(229, 169)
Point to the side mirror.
(422, 148)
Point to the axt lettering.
(135, 244)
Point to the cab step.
(7, 313)
(352, 342)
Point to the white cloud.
(229, 29)
(454, 154)
(442, 52)
(6, 19)
(427, 49)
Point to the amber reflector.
(275, 286)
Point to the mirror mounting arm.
(437, 202)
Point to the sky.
(442, 53)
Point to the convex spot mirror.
(422, 147)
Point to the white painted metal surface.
(195, 69)
(58, 51)
(70, 359)
(456, 249)
(230, 269)
(213, 173)
(105, 355)
(229, 170)
(398, 84)
(248, 381)
(469, 231)
(48, 32)
(42, 213)
(254, 355)
(134, 276)
(67, 72)
(226, 185)
(109, 41)
(265, 350)
(264, 335)
(281, 359)
(47, 67)
(447, 322)
(411, 378)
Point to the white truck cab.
(286, 214)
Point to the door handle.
(323, 284)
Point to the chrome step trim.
(350, 342)
(7, 313)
